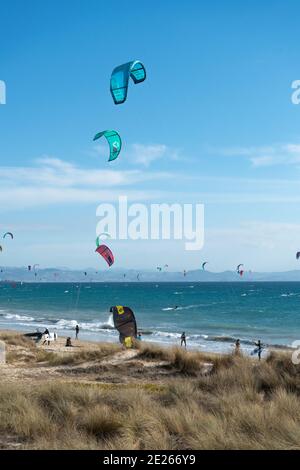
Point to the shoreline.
(212, 318)
(83, 338)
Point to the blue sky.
(213, 124)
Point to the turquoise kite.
(120, 79)
(107, 235)
(115, 143)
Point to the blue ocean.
(213, 315)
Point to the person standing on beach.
(46, 336)
(259, 349)
(183, 340)
(46, 340)
(76, 331)
(237, 350)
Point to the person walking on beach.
(76, 331)
(183, 340)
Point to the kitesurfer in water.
(76, 331)
(183, 340)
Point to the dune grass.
(176, 358)
(16, 339)
(240, 404)
(50, 358)
(23, 349)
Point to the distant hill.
(132, 275)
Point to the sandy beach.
(101, 396)
(85, 362)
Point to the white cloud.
(146, 154)
(261, 234)
(54, 181)
(55, 172)
(260, 245)
(139, 154)
(264, 156)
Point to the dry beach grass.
(101, 397)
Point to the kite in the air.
(159, 268)
(298, 254)
(125, 323)
(120, 79)
(204, 264)
(102, 235)
(106, 253)
(239, 270)
(1, 248)
(114, 141)
(8, 233)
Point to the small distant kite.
(8, 233)
(114, 141)
(104, 234)
(120, 79)
(1, 249)
(298, 255)
(106, 253)
(204, 264)
(239, 270)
